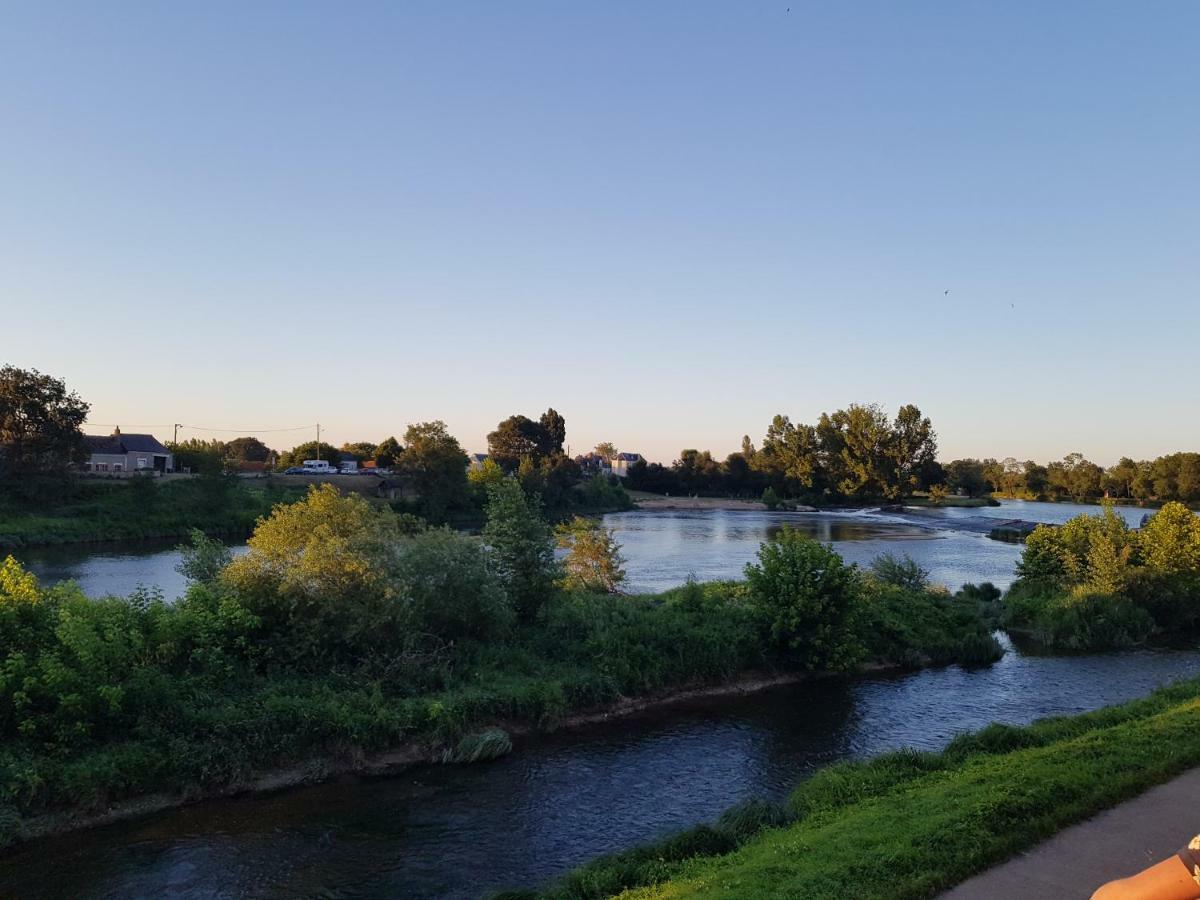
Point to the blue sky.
(669, 221)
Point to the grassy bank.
(341, 634)
(909, 825)
(93, 511)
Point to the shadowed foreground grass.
(908, 825)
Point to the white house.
(475, 461)
(622, 462)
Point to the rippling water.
(560, 800)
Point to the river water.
(445, 831)
(662, 548)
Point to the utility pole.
(318, 442)
(175, 440)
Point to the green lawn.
(910, 825)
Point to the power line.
(207, 428)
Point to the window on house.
(101, 467)
(142, 462)
(118, 467)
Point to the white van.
(319, 467)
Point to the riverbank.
(104, 511)
(911, 824)
(397, 759)
(651, 502)
(139, 705)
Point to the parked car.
(294, 470)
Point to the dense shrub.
(444, 586)
(1095, 584)
(805, 597)
(522, 546)
(901, 571)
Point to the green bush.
(805, 596)
(901, 571)
(444, 585)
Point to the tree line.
(857, 453)
(1174, 476)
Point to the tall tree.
(360, 450)
(556, 429)
(607, 449)
(911, 447)
(308, 450)
(517, 437)
(435, 466)
(40, 423)
(388, 452)
(247, 449)
(522, 545)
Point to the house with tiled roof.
(118, 454)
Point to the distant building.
(622, 462)
(475, 461)
(593, 464)
(117, 453)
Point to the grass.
(197, 724)
(909, 825)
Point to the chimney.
(116, 431)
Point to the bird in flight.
(945, 292)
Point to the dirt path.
(1113, 844)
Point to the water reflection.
(662, 549)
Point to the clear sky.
(670, 221)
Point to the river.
(662, 548)
(559, 800)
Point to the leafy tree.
(387, 453)
(770, 499)
(518, 437)
(652, 477)
(593, 561)
(199, 456)
(522, 546)
(448, 588)
(486, 475)
(436, 466)
(789, 457)
(1036, 478)
(806, 597)
(247, 449)
(40, 423)
(855, 451)
(1170, 541)
(203, 559)
(911, 447)
(966, 476)
(319, 572)
(361, 450)
(309, 450)
(606, 449)
(556, 429)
